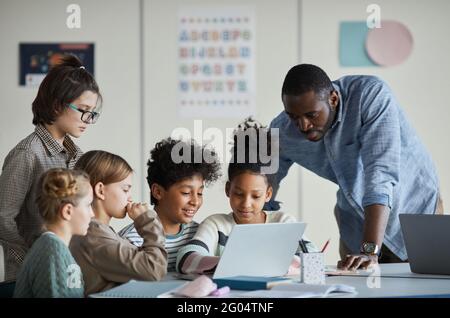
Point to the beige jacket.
(107, 260)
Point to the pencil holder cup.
(312, 268)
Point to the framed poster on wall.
(37, 58)
(216, 61)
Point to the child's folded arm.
(120, 261)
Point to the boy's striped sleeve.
(199, 255)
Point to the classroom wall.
(161, 80)
(113, 26)
(132, 117)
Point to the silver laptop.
(260, 249)
(427, 238)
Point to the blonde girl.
(49, 270)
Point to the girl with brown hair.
(67, 102)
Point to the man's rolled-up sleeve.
(380, 145)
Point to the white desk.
(394, 287)
(395, 280)
(392, 280)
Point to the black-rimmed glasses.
(87, 116)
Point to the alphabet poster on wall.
(37, 58)
(216, 62)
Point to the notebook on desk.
(139, 289)
(250, 282)
(296, 290)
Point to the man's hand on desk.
(354, 262)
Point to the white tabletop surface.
(390, 280)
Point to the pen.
(325, 246)
(303, 246)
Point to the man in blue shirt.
(353, 133)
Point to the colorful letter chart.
(216, 57)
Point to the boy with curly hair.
(176, 191)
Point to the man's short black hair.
(304, 78)
(164, 171)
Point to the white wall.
(420, 84)
(274, 24)
(114, 28)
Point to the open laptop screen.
(260, 249)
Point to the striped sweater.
(202, 254)
(173, 242)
